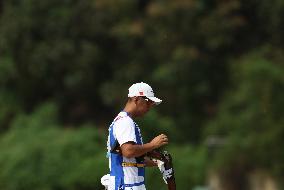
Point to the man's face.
(143, 105)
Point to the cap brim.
(156, 100)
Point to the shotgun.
(167, 159)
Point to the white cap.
(143, 89)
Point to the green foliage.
(154, 124)
(9, 106)
(83, 55)
(78, 53)
(37, 154)
(250, 117)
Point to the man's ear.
(135, 99)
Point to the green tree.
(250, 116)
(37, 154)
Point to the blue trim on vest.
(141, 170)
(112, 139)
(119, 184)
(134, 184)
(117, 159)
(116, 168)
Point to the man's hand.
(159, 141)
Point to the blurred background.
(65, 68)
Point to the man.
(126, 150)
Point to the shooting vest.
(124, 172)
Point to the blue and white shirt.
(122, 130)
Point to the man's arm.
(130, 149)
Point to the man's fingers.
(163, 136)
(160, 140)
(164, 139)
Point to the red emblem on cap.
(141, 93)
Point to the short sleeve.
(124, 130)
